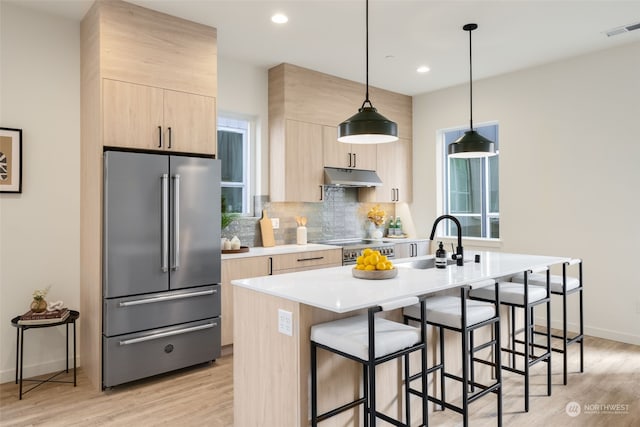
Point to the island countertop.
(336, 290)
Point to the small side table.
(73, 316)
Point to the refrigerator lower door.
(135, 231)
(140, 355)
(137, 313)
(195, 222)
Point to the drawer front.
(140, 355)
(302, 260)
(142, 312)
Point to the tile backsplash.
(339, 216)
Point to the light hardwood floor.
(203, 396)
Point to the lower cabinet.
(411, 249)
(246, 267)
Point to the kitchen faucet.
(459, 253)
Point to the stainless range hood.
(351, 177)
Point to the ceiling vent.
(623, 29)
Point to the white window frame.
(244, 125)
(485, 215)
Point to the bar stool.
(563, 285)
(526, 297)
(463, 315)
(370, 341)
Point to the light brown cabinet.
(145, 117)
(395, 170)
(351, 156)
(142, 72)
(296, 163)
(291, 89)
(411, 249)
(246, 267)
(239, 268)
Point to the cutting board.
(266, 227)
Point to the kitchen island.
(271, 368)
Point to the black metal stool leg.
(21, 359)
(314, 385)
(17, 351)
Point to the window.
(471, 188)
(233, 152)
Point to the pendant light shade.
(471, 144)
(367, 126)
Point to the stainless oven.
(352, 248)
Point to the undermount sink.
(424, 264)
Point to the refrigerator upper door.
(136, 240)
(195, 222)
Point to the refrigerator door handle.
(165, 223)
(166, 298)
(176, 222)
(168, 334)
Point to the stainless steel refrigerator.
(161, 264)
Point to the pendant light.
(471, 144)
(367, 126)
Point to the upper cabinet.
(143, 46)
(395, 168)
(146, 117)
(296, 163)
(157, 76)
(351, 156)
(312, 98)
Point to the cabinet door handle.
(159, 136)
(397, 194)
(355, 160)
(270, 266)
(169, 145)
(315, 258)
(349, 159)
(321, 192)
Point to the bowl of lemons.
(373, 266)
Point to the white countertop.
(335, 289)
(280, 249)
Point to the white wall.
(39, 229)
(569, 172)
(242, 89)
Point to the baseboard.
(593, 331)
(29, 371)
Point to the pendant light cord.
(470, 84)
(366, 26)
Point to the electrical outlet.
(275, 222)
(285, 322)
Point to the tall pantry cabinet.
(148, 81)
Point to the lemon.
(370, 267)
(374, 259)
(383, 258)
(381, 266)
(367, 252)
(360, 260)
(389, 265)
(359, 267)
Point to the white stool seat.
(447, 310)
(510, 292)
(555, 281)
(351, 336)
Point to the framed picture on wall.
(10, 160)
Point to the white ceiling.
(328, 35)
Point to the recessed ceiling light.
(279, 18)
(423, 69)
